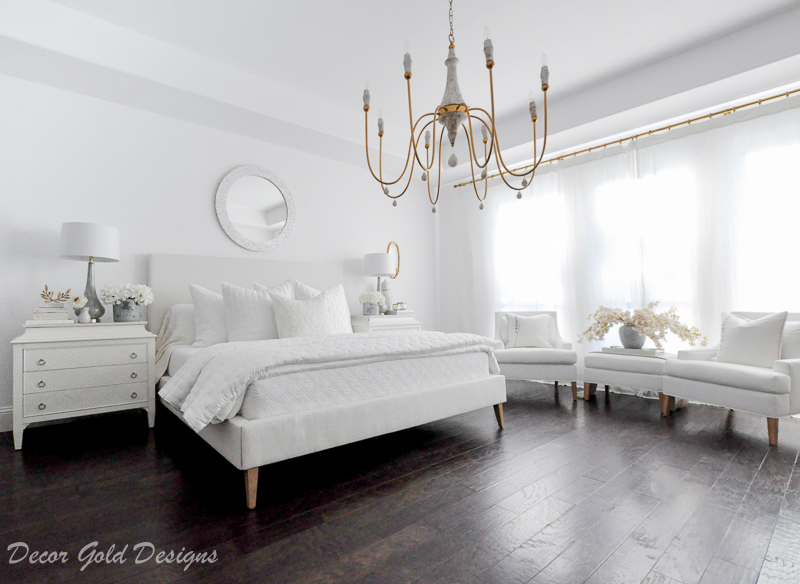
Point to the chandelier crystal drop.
(454, 114)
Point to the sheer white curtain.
(704, 218)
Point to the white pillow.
(303, 292)
(209, 317)
(530, 331)
(321, 315)
(790, 343)
(751, 342)
(249, 314)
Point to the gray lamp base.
(96, 308)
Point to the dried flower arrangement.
(645, 320)
(50, 296)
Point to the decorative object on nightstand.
(78, 304)
(384, 322)
(70, 370)
(127, 300)
(644, 322)
(384, 264)
(52, 309)
(90, 242)
(371, 302)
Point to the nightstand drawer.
(43, 404)
(88, 356)
(61, 379)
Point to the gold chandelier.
(452, 114)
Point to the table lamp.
(380, 264)
(90, 242)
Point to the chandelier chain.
(451, 37)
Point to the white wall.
(68, 157)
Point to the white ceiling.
(329, 49)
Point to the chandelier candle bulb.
(366, 100)
(532, 107)
(407, 65)
(485, 134)
(380, 125)
(488, 52)
(545, 74)
(427, 138)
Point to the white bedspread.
(209, 387)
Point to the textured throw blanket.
(210, 386)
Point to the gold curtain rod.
(724, 112)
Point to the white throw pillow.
(321, 315)
(303, 292)
(249, 314)
(751, 342)
(530, 331)
(790, 344)
(209, 317)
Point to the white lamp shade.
(380, 264)
(81, 241)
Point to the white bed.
(299, 412)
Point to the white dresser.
(64, 371)
(383, 322)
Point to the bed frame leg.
(574, 391)
(498, 413)
(772, 431)
(251, 486)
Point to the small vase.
(371, 308)
(127, 311)
(83, 315)
(630, 337)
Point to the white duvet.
(210, 386)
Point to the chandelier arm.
(369, 163)
(544, 142)
(488, 127)
(439, 174)
(471, 138)
(419, 136)
(472, 156)
(498, 154)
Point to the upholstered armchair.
(773, 392)
(547, 364)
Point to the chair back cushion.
(530, 331)
(751, 342)
(501, 322)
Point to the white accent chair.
(536, 364)
(768, 392)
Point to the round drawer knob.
(41, 384)
(41, 362)
(134, 395)
(133, 375)
(133, 355)
(42, 406)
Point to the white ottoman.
(631, 371)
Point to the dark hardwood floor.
(602, 492)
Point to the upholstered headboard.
(170, 275)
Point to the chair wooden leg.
(666, 403)
(607, 388)
(498, 413)
(772, 431)
(574, 391)
(251, 486)
(555, 384)
(588, 390)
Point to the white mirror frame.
(227, 224)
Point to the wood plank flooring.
(604, 492)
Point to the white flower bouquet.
(373, 297)
(141, 294)
(645, 320)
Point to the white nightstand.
(382, 322)
(64, 371)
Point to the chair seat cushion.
(731, 374)
(537, 356)
(627, 363)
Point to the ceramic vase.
(630, 337)
(83, 315)
(127, 311)
(371, 308)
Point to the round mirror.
(255, 208)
